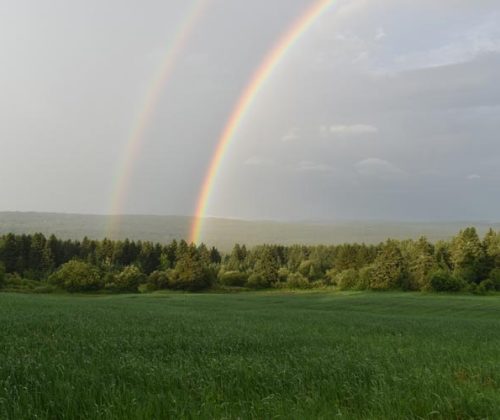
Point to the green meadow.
(250, 355)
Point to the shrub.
(389, 268)
(495, 278)
(283, 274)
(2, 275)
(14, 282)
(257, 281)
(348, 279)
(128, 280)
(298, 281)
(77, 276)
(158, 280)
(233, 278)
(13, 279)
(190, 274)
(466, 274)
(331, 276)
(486, 286)
(444, 281)
(319, 284)
(364, 278)
(44, 289)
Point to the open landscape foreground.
(250, 355)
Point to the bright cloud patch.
(377, 167)
(291, 135)
(479, 40)
(308, 166)
(353, 129)
(259, 161)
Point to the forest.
(466, 263)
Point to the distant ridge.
(224, 233)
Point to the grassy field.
(249, 355)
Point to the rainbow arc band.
(262, 74)
(125, 170)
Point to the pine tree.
(203, 255)
(10, 253)
(215, 256)
(54, 246)
(389, 268)
(236, 258)
(467, 255)
(267, 266)
(491, 245)
(421, 264)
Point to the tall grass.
(261, 355)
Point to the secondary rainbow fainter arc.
(262, 74)
(135, 141)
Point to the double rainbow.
(263, 73)
(136, 139)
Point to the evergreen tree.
(421, 263)
(190, 274)
(389, 268)
(149, 259)
(10, 253)
(47, 264)
(236, 258)
(491, 246)
(181, 250)
(267, 266)
(54, 246)
(467, 255)
(215, 257)
(203, 254)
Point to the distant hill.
(224, 233)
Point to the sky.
(384, 109)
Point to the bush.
(77, 276)
(495, 278)
(2, 275)
(298, 281)
(15, 283)
(348, 279)
(190, 274)
(44, 289)
(319, 284)
(466, 274)
(389, 268)
(257, 281)
(283, 274)
(13, 279)
(444, 281)
(158, 280)
(331, 276)
(128, 280)
(364, 278)
(485, 286)
(233, 278)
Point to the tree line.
(465, 263)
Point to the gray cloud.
(382, 109)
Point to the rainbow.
(136, 139)
(263, 73)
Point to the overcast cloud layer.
(383, 110)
